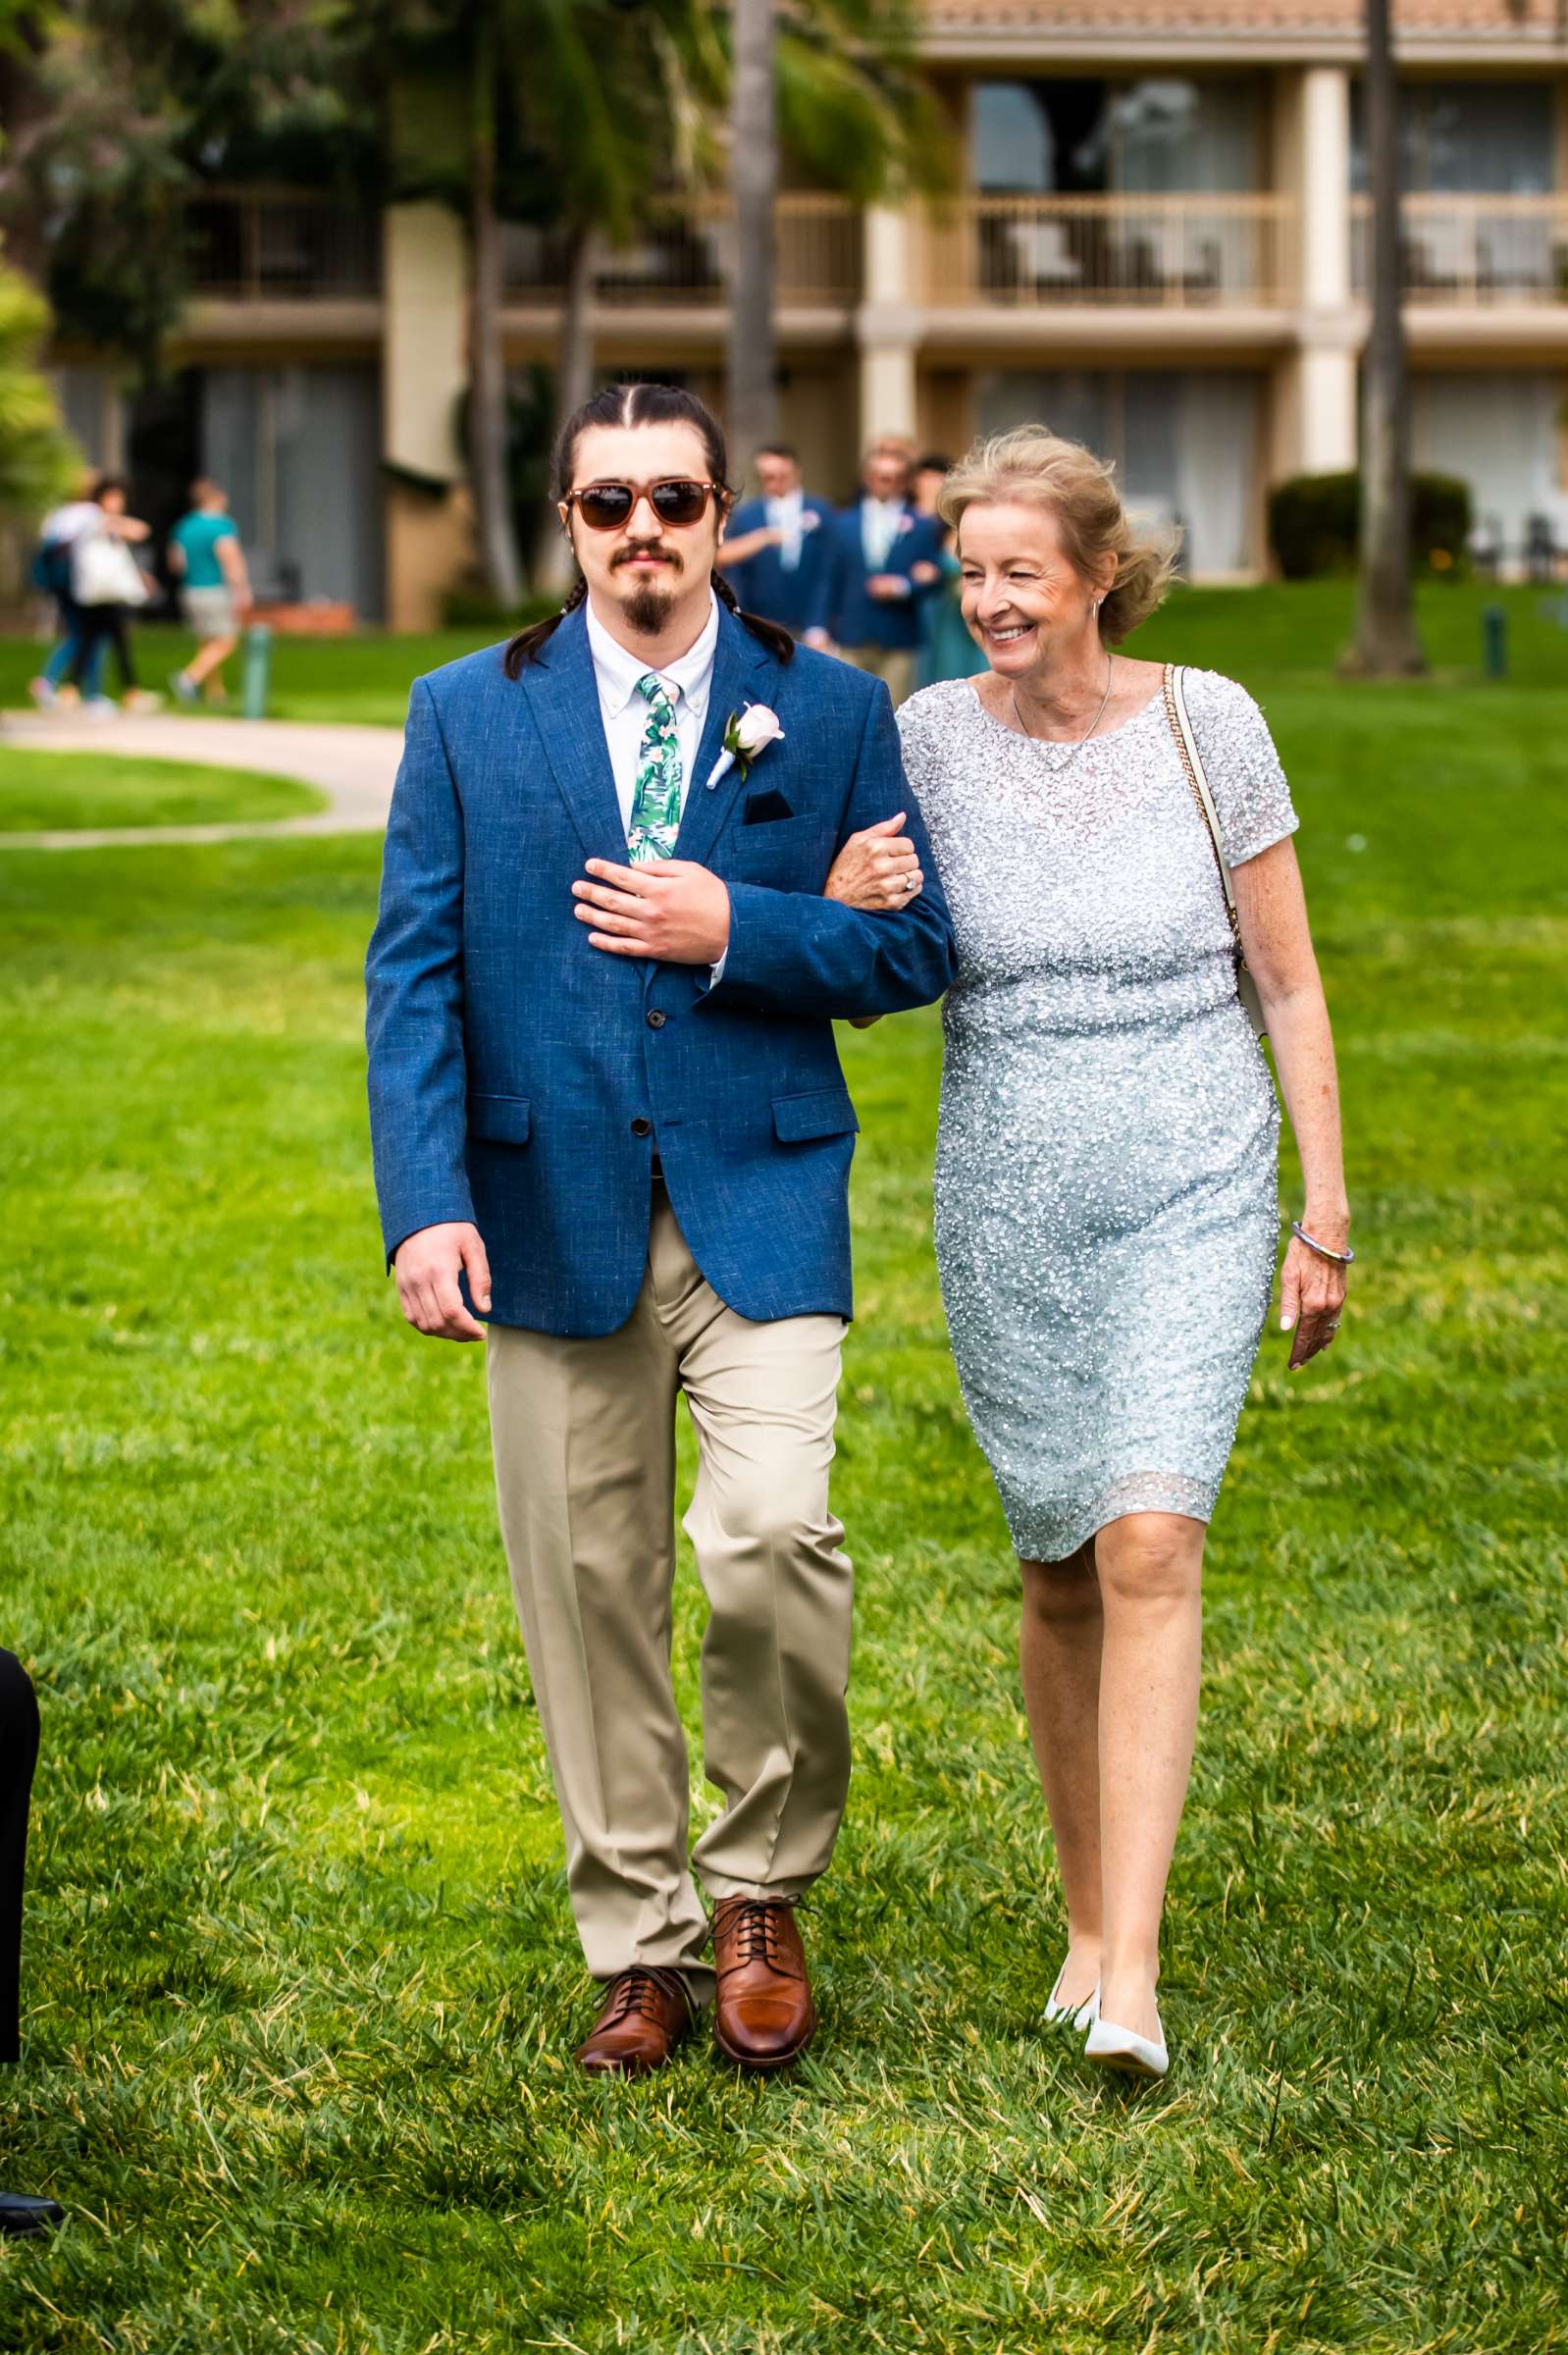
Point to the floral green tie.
(656, 796)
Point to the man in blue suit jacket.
(609, 1116)
(776, 552)
(883, 556)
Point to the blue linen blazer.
(522, 1078)
(845, 612)
(764, 584)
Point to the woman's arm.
(1272, 911)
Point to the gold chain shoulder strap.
(1181, 729)
(1174, 714)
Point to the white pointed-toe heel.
(1121, 2049)
(1059, 2014)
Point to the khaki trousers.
(584, 1440)
(893, 664)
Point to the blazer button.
(655, 1020)
(642, 1127)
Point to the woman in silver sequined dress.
(1106, 1212)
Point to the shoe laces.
(755, 1930)
(639, 1990)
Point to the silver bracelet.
(1343, 1257)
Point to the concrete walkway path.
(353, 765)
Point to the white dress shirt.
(687, 681)
(881, 521)
(784, 516)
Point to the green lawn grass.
(300, 1978)
(42, 790)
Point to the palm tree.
(840, 79)
(576, 114)
(620, 103)
(753, 404)
(1385, 644)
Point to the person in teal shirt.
(946, 649)
(209, 563)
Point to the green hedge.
(1315, 523)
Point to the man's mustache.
(646, 548)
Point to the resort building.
(1159, 246)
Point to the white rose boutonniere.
(746, 735)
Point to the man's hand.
(428, 1265)
(675, 913)
(888, 587)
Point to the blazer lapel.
(565, 696)
(737, 656)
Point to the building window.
(1183, 444)
(1501, 431)
(1466, 139)
(299, 451)
(1099, 138)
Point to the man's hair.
(102, 483)
(631, 405)
(204, 487)
(934, 462)
(776, 449)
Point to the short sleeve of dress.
(1251, 797)
(920, 733)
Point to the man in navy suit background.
(775, 549)
(882, 557)
(608, 1118)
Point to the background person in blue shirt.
(775, 553)
(206, 558)
(883, 558)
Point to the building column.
(885, 326)
(1315, 421)
(424, 374)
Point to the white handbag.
(104, 572)
(1175, 705)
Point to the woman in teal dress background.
(946, 649)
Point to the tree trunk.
(487, 364)
(1385, 644)
(574, 383)
(753, 402)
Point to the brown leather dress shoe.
(764, 2015)
(646, 2014)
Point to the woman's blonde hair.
(1033, 464)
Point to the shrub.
(1315, 523)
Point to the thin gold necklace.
(1072, 749)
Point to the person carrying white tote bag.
(104, 572)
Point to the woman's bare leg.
(1059, 1652)
(1150, 1580)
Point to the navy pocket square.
(761, 806)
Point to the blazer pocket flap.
(498, 1119)
(820, 1112)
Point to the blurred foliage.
(37, 459)
(119, 111)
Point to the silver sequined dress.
(1107, 1215)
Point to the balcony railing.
(687, 257)
(1473, 249)
(255, 246)
(1182, 252)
